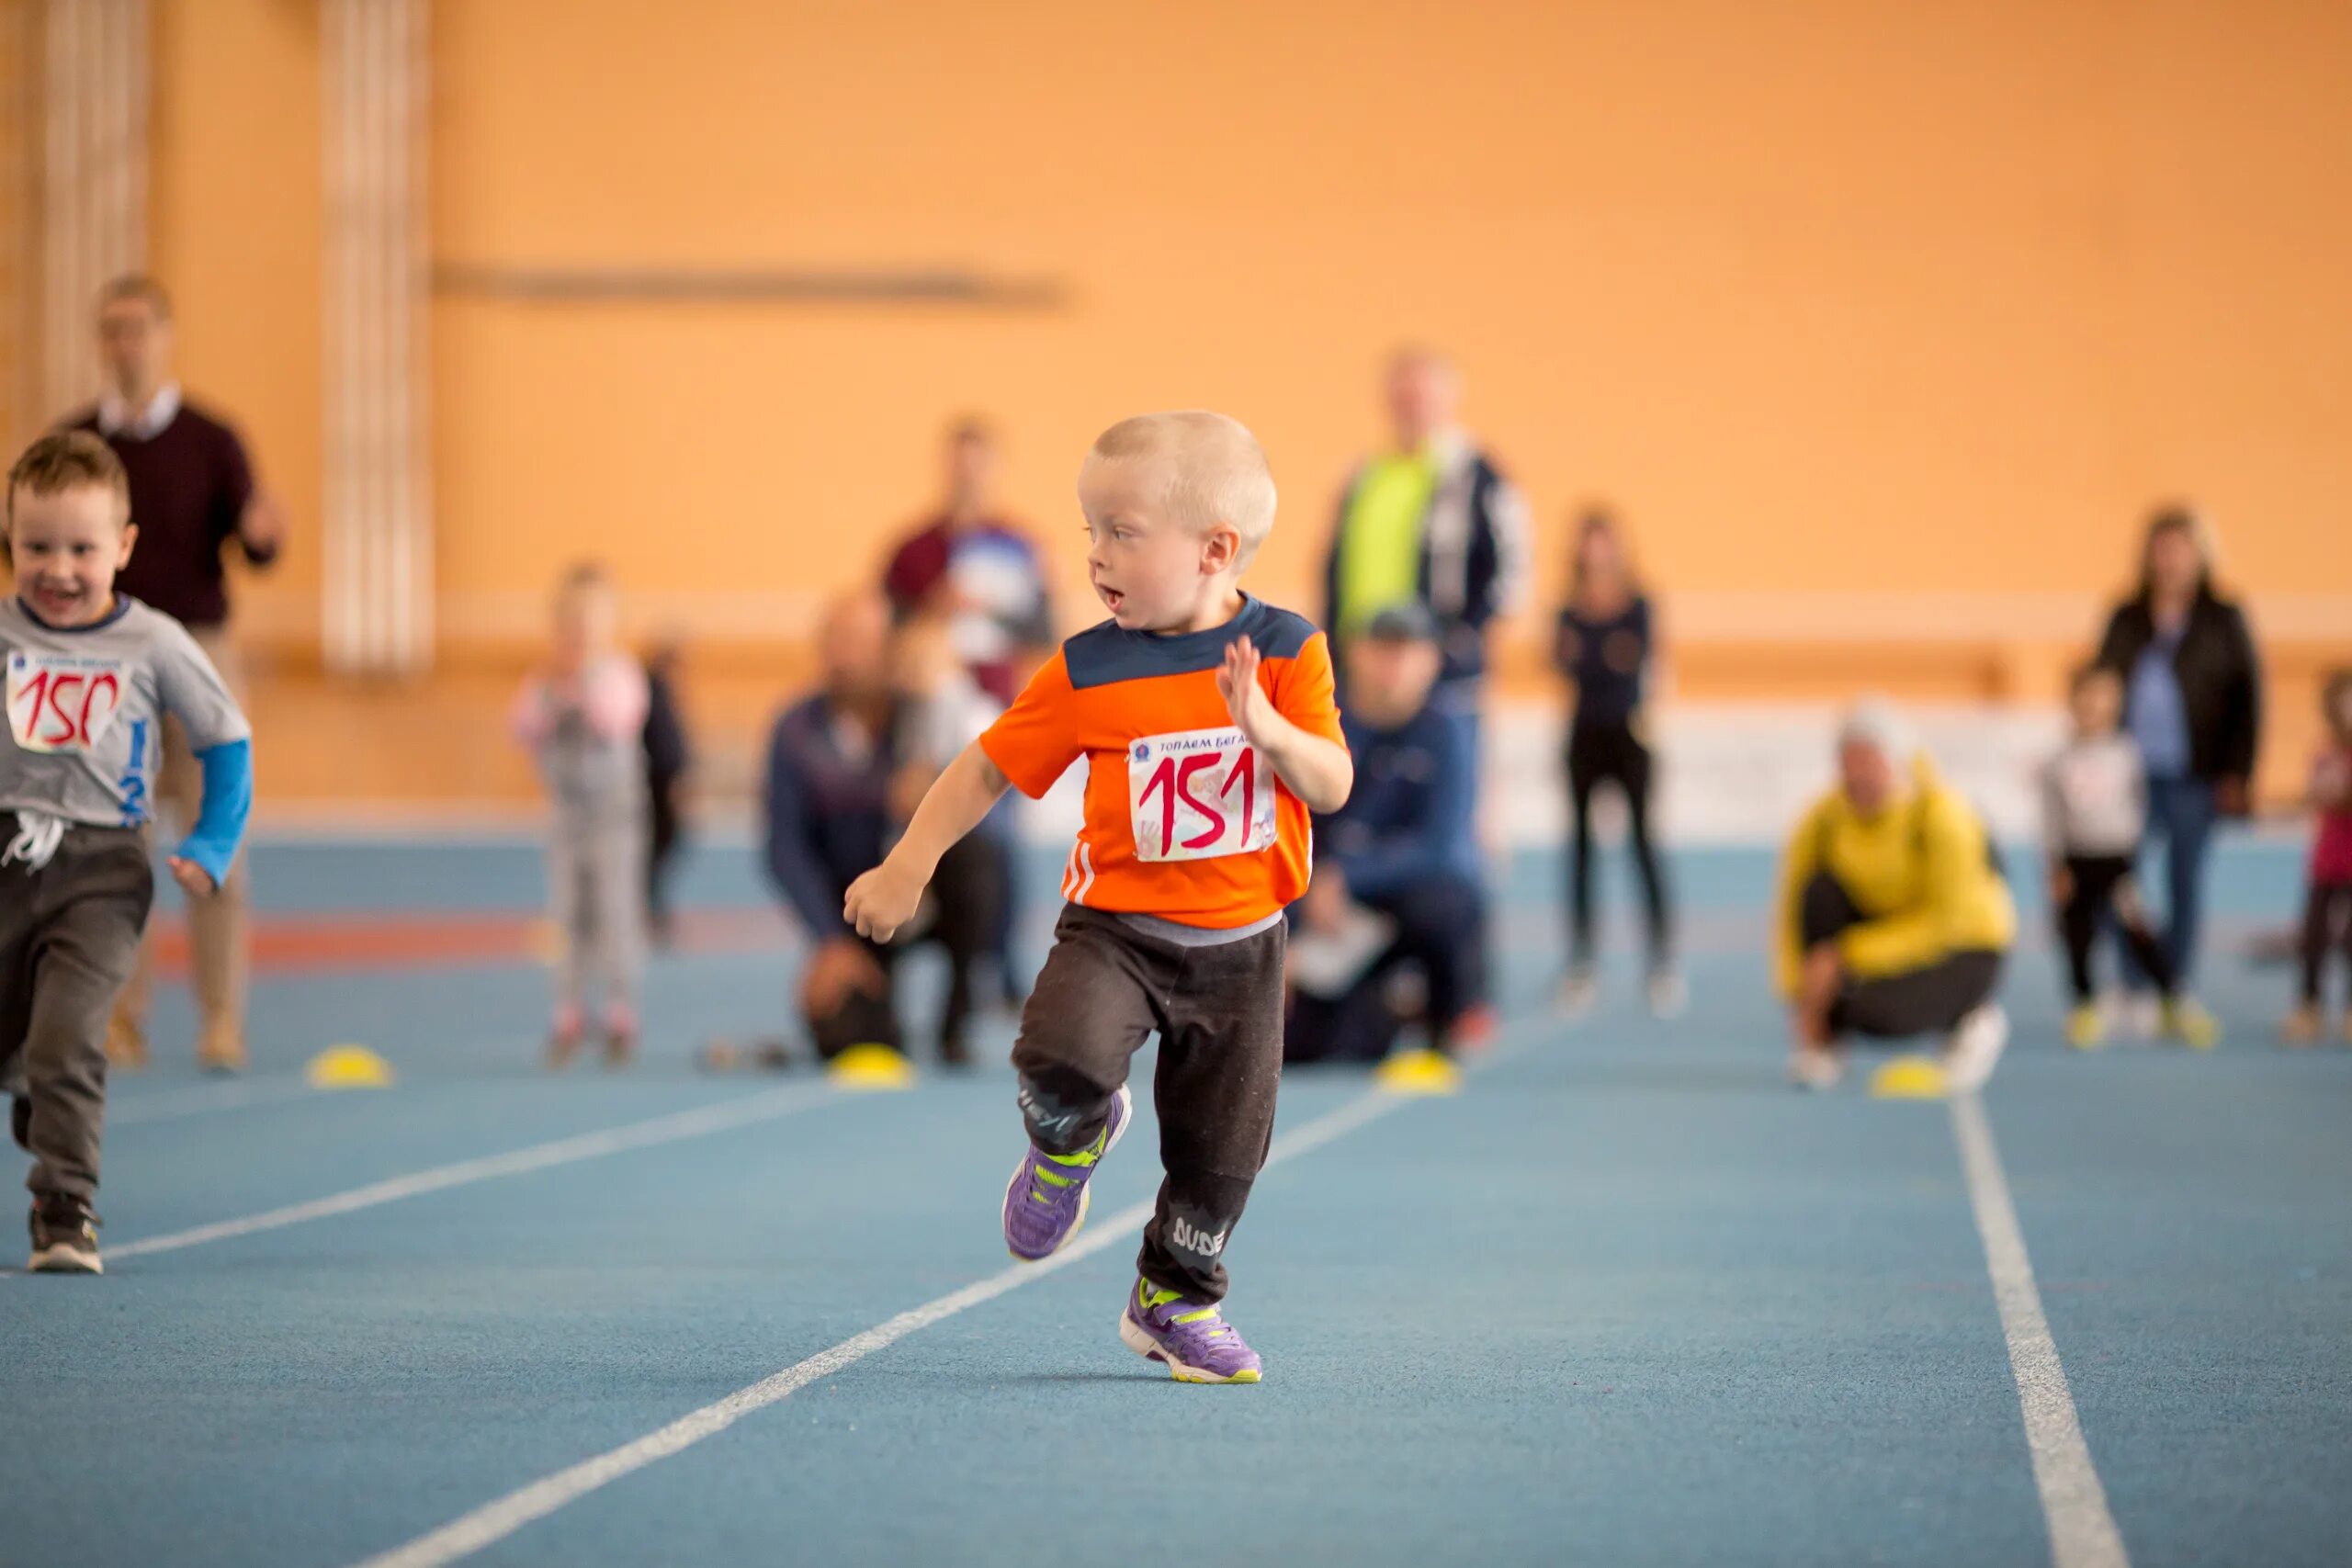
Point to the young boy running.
(1209, 730)
(91, 673)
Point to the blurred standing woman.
(2192, 703)
(1606, 646)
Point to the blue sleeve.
(791, 866)
(1434, 842)
(228, 801)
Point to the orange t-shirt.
(1184, 819)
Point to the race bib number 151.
(1199, 792)
(59, 702)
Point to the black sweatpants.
(665, 827)
(1437, 923)
(1929, 999)
(1609, 752)
(2327, 921)
(68, 939)
(2104, 885)
(1217, 1010)
(968, 894)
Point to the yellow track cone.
(349, 1066)
(1910, 1077)
(871, 1067)
(1418, 1072)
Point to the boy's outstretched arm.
(884, 899)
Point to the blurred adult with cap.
(2192, 702)
(1893, 916)
(1396, 868)
(1430, 520)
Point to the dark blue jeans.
(2181, 812)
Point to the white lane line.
(676, 1127)
(502, 1518)
(2082, 1530)
(171, 1105)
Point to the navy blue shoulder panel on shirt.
(1107, 654)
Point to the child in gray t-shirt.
(583, 718)
(2094, 812)
(90, 675)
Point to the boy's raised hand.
(881, 901)
(194, 880)
(1236, 682)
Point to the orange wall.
(234, 234)
(1839, 296)
(1834, 296)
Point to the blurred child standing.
(2327, 908)
(2094, 813)
(583, 718)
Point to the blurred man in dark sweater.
(192, 495)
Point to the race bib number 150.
(59, 702)
(1199, 792)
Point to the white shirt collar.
(115, 418)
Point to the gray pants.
(596, 899)
(68, 939)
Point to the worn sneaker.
(1975, 1047)
(2185, 1020)
(2085, 1027)
(65, 1236)
(2301, 1027)
(1668, 993)
(1578, 990)
(1815, 1068)
(222, 1050)
(1044, 1204)
(1187, 1337)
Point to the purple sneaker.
(1195, 1343)
(1044, 1204)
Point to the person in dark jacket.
(1605, 643)
(2193, 703)
(835, 766)
(1430, 520)
(668, 755)
(1396, 867)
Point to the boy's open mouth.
(1112, 597)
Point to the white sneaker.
(1816, 1070)
(1975, 1047)
(1578, 990)
(1669, 995)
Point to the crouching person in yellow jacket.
(1894, 917)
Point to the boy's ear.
(130, 543)
(1222, 549)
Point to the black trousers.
(68, 939)
(2104, 885)
(967, 895)
(2327, 920)
(1438, 921)
(1610, 754)
(664, 830)
(1929, 999)
(1107, 987)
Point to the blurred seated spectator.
(1396, 868)
(836, 770)
(1894, 917)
